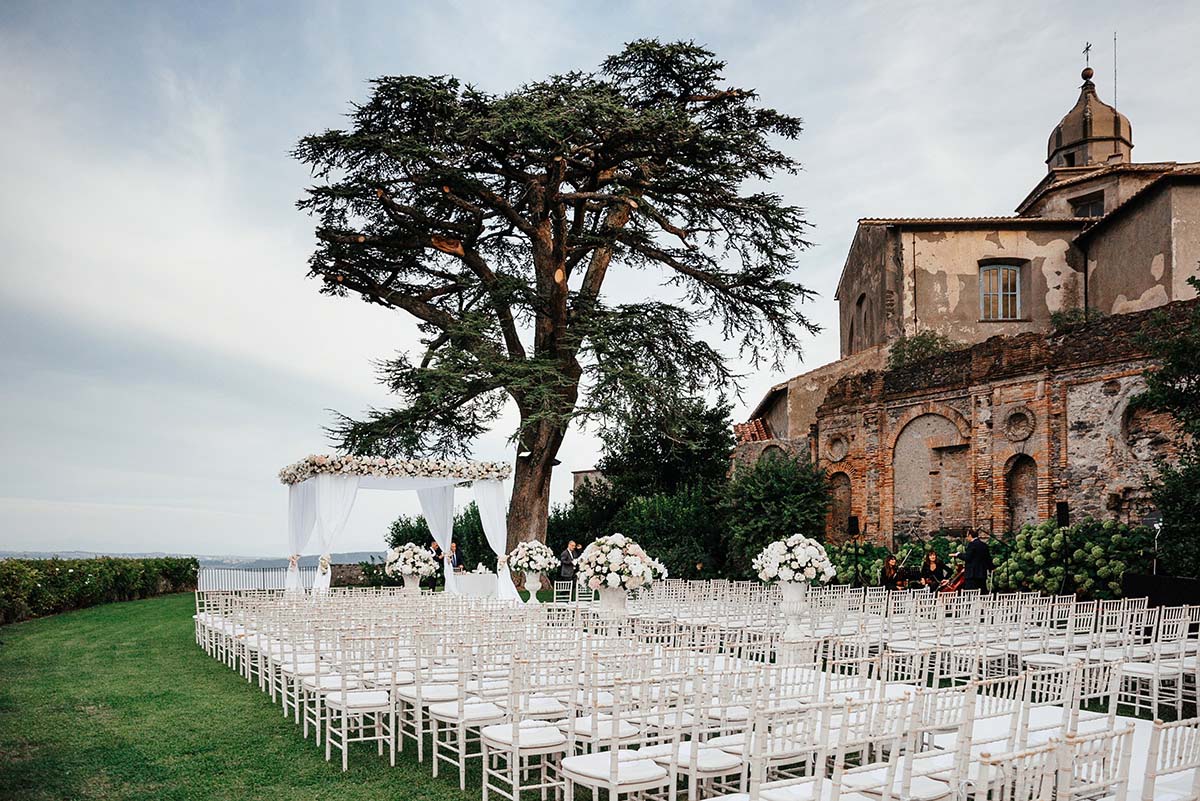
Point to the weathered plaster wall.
(776, 416)
(868, 299)
(941, 279)
(1129, 261)
(1117, 188)
(807, 391)
(1185, 239)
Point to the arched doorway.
(1022, 488)
(840, 504)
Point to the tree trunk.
(529, 507)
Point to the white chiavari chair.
(1173, 762)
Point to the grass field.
(117, 702)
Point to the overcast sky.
(163, 354)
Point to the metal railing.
(250, 578)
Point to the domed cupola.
(1092, 133)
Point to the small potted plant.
(534, 560)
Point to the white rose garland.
(347, 465)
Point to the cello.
(959, 578)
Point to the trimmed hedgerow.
(36, 587)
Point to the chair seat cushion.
(711, 760)
(359, 699)
(473, 711)
(630, 769)
(530, 734)
(1148, 670)
(382, 677)
(803, 790)
(544, 705)
(428, 693)
(329, 682)
(868, 778)
(601, 727)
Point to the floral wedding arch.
(322, 489)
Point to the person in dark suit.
(456, 558)
(977, 562)
(566, 561)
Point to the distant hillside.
(350, 558)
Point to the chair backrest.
(1174, 748)
(1026, 775)
(1095, 765)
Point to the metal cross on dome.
(1087, 54)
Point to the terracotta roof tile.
(753, 431)
(1069, 221)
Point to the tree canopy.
(495, 219)
(1173, 385)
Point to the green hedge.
(36, 587)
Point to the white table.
(477, 585)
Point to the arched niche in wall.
(1021, 490)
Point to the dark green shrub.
(36, 587)
(778, 496)
(909, 350)
(1069, 320)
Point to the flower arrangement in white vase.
(613, 565)
(795, 563)
(533, 559)
(412, 562)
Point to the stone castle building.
(1023, 423)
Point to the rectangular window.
(1000, 292)
(1088, 206)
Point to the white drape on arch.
(490, 498)
(335, 498)
(321, 504)
(302, 513)
(437, 505)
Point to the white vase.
(533, 583)
(795, 595)
(613, 599)
(412, 582)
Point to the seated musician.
(934, 575)
(890, 576)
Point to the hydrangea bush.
(1089, 558)
(532, 557)
(617, 562)
(797, 558)
(410, 559)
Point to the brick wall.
(1062, 401)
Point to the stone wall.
(996, 435)
(347, 576)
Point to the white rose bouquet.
(532, 557)
(797, 558)
(616, 561)
(410, 559)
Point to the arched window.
(1000, 291)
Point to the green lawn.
(117, 702)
